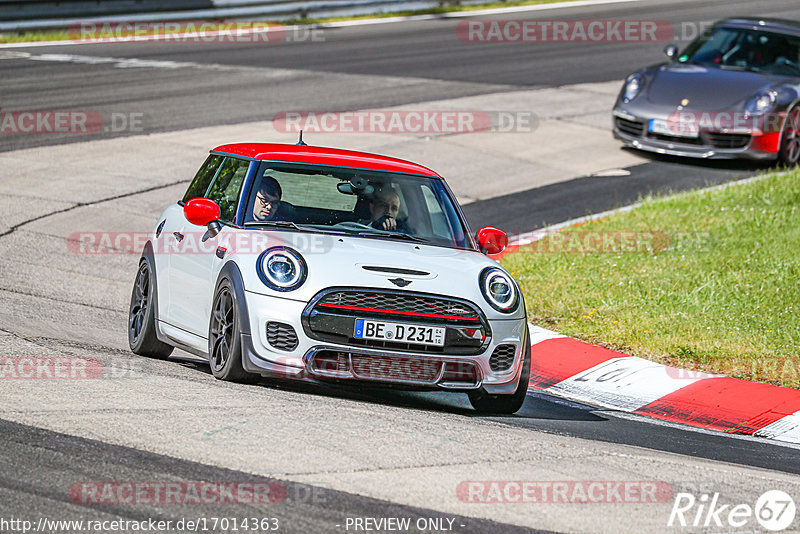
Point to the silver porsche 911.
(734, 92)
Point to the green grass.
(714, 287)
(63, 35)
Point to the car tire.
(485, 403)
(224, 339)
(789, 151)
(142, 337)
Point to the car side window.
(203, 178)
(227, 186)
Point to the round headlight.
(633, 86)
(281, 268)
(761, 103)
(499, 290)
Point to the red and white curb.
(572, 369)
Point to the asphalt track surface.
(399, 63)
(42, 460)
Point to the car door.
(172, 228)
(192, 272)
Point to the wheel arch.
(149, 255)
(230, 271)
(791, 106)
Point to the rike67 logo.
(774, 510)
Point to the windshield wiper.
(279, 224)
(404, 237)
(748, 68)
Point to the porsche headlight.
(633, 86)
(499, 290)
(762, 102)
(281, 268)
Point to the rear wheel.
(789, 152)
(142, 337)
(224, 341)
(506, 404)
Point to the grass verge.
(64, 35)
(708, 280)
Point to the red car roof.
(323, 156)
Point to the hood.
(705, 88)
(344, 261)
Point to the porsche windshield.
(366, 203)
(745, 49)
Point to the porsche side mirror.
(203, 212)
(491, 240)
(671, 51)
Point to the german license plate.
(673, 128)
(399, 332)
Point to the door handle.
(178, 236)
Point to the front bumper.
(752, 144)
(312, 359)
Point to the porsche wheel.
(505, 404)
(789, 152)
(142, 337)
(224, 341)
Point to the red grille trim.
(397, 312)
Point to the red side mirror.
(201, 211)
(492, 240)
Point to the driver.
(267, 199)
(383, 209)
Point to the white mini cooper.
(330, 265)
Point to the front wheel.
(789, 152)
(505, 404)
(224, 341)
(142, 337)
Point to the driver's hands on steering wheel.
(385, 223)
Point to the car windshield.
(365, 203)
(745, 49)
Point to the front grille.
(394, 368)
(331, 363)
(633, 128)
(399, 304)
(728, 140)
(342, 365)
(332, 316)
(502, 358)
(281, 336)
(460, 374)
(676, 139)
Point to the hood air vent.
(394, 270)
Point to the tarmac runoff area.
(64, 305)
